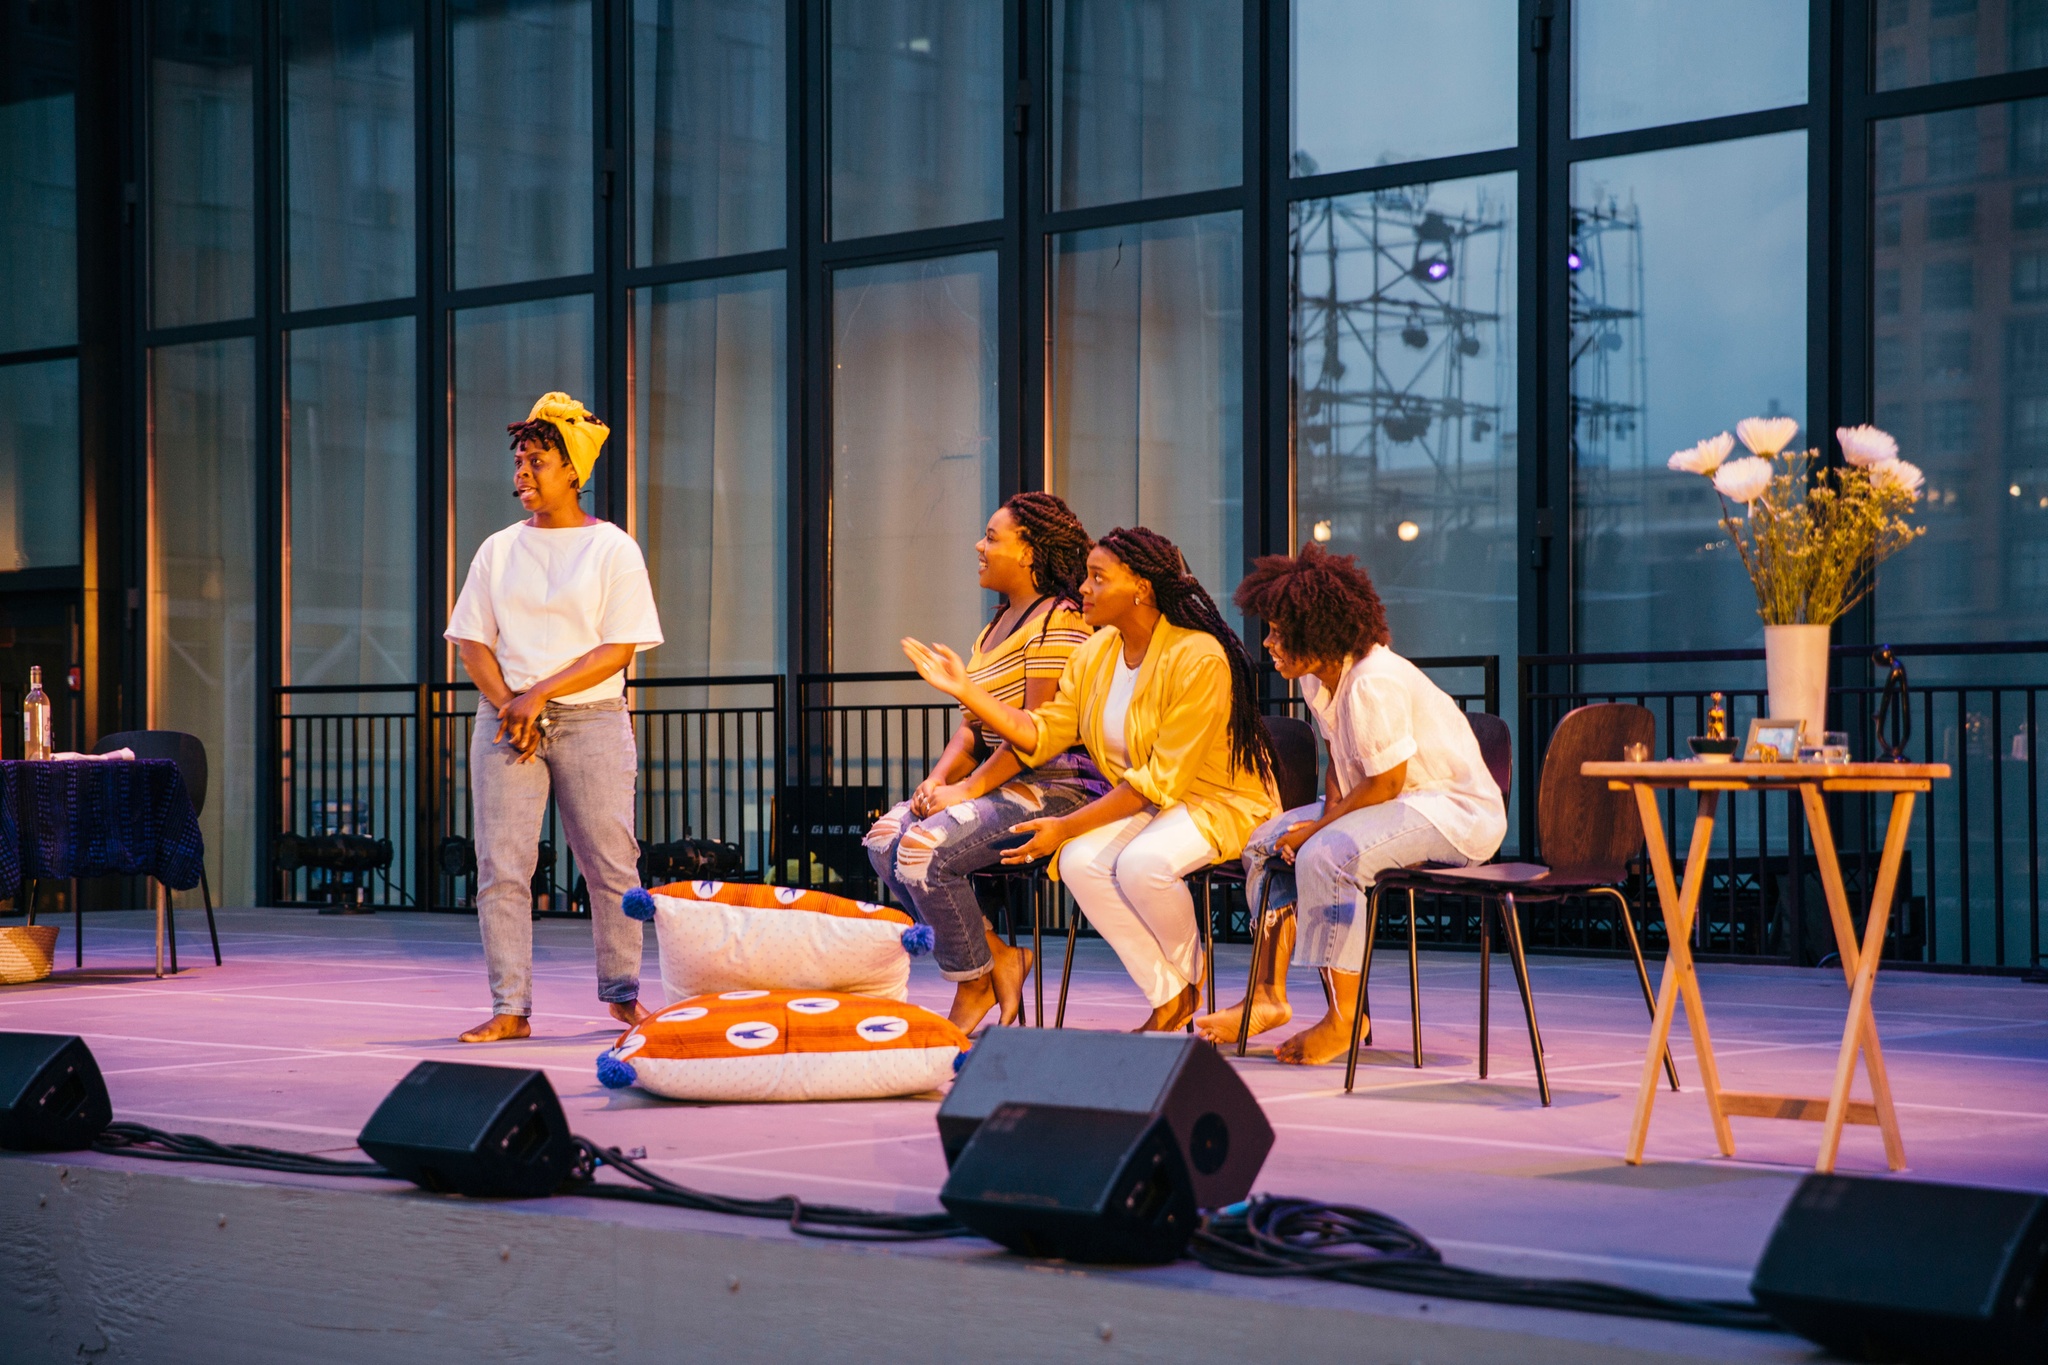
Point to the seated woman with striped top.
(964, 812)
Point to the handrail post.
(424, 860)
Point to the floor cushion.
(728, 936)
(756, 1045)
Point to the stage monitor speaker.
(52, 1096)
(456, 1128)
(1898, 1270)
(1096, 1185)
(1222, 1135)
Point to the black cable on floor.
(1275, 1237)
(139, 1139)
(809, 1220)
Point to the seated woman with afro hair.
(1405, 785)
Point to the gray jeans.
(588, 760)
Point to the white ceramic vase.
(1796, 672)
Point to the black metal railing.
(348, 763)
(1969, 891)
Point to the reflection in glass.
(505, 358)
(1378, 82)
(710, 440)
(1403, 356)
(1147, 99)
(1642, 63)
(708, 118)
(348, 152)
(38, 177)
(917, 114)
(202, 586)
(1688, 313)
(351, 520)
(1147, 386)
(520, 139)
(914, 453)
(1924, 42)
(1961, 377)
(202, 185)
(39, 507)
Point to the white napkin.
(92, 758)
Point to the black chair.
(1497, 748)
(1006, 877)
(189, 753)
(1294, 774)
(1587, 835)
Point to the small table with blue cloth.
(97, 818)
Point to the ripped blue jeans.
(926, 862)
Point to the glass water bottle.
(35, 718)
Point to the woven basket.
(25, 952)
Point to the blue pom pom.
(917, 940)
(959, 1060)
(638, 905)
(614, 1073)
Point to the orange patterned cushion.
(725, 936)
(785, 1045)
(757, 896)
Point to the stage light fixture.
(1321, 533)
(683, 860)
(331, 853)
(1573, 261)
(457, 857)
(1432, 259)
(1414, 334)
(1468, 345)
(1407, 530)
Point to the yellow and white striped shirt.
(1037, 648)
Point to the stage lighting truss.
(1609, 374)
(1401, 356)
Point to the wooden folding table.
(1679, 903)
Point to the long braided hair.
(1182, 600)
(1059, 545)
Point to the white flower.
(1744, 480)
(1703, 458)
(1866, 447)
(1766, 436)
(1904, 473)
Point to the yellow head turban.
(582, 434)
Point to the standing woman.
(1163, 697)
(961, 816)
(552, 613)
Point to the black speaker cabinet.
(1222, 1135)
(1097, 1185)
(52, 1096)
(1897, 1270)
(455, 1128)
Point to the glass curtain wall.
(1147, 336)
(914, 453)
(348, 78)
(203, 667)
(202, 161)
(39, 494)
(38, 177)
(710, 435)
(352, 518)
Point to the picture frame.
(1782, 736)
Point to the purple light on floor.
(1572, 260)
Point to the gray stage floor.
(312, 1020)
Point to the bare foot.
(501, 1027)
(1012, 970)
(1323, 1041)
(1267, 1013)
(971, 1000)
(629, 1012)
(1172, 1016)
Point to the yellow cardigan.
(1177, 732)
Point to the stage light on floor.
(52, 1096)
(483, 1131)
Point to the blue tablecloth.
(96, 819)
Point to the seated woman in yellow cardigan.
(1163, 697)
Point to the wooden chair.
(1294, 774)
(1587, 835)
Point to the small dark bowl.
(1714, 750)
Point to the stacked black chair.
(1587, 835)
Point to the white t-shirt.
(1386, 712)
(542, 598)
(1116, 708)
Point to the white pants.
(1127, 878)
